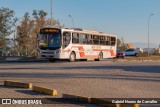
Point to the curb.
(17, 84)
(52, 92)
(96, 101)
(104, 103)
(76, 98)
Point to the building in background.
(130, 45)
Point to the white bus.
(72, 44)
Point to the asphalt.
(104, 79)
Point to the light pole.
(148, 31)
(51, 11)
(72, 20)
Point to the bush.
(28, 58)
(145, 54)
(158, 54)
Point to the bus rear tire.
(100, 57)
(72, 57)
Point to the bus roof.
(80, 30)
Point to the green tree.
(121, 45)
(39, 22)
(24, 31)
(28, 30)
(7, 21)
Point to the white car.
(131, 52)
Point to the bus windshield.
(51, 41)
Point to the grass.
(149, 58)
(27, 58)
(21, 58)
(2, 58)
(133, 58)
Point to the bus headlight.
(58, 51)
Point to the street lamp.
(148, 31)
(72, 20)
(51, 11)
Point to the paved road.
(104, 79)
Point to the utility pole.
(51, 11)
(72, 20)
(148, 33)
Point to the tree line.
(24, 31)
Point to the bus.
(75, 43)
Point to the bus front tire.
(72, 57)
(100, 57)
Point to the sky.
(128, 19)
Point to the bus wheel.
(100, 57)
(72, 57)
(52, 60)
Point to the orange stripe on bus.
(74, 46)
(81, 48)
(91, 56)
(100, 49)
(112, 53)
(82, 54)
(66, 50)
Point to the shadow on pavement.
(30, 92)
(147, 69)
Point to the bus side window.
(75, 38)
(108, 41)
(66, 39)
(102, 40)
(113, 41)
(82, 39)
(88, 39)
(96, 39)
